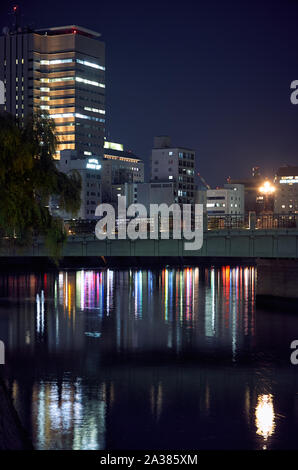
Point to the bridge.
(271, 244)
(274, 249)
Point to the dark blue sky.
(215, 75)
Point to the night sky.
(214, 75)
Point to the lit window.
(53, 80)
(77, 115)
(55, 62)
(90, 64)
(94, 110)
(88, 82)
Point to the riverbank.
(12, 433)
(34, 263)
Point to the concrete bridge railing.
(243, 243)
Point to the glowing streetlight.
(267, 188)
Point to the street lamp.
(266, 196)
(267, 188)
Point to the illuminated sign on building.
(289, 179)
(113, 146)
(92, 164)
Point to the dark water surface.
(140, 359)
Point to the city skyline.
(149, 229)
(229, 101)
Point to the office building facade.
(119, 167)
(150, 193)
(252, 184)
(60, 71)
(175, 165)
(286, 193)
(225, 201)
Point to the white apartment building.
(226, 201)
(90, 172)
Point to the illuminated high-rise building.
(60, 70)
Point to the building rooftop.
(124, 156)
(69, 29)
(113, 150)
(287, 171)
(176, 147)
(164, 142)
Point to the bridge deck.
(281, 243)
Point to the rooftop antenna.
(16, 18)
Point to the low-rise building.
(90, 172)
(161, 192)
(252, 185)
(228, 200)
(119, 167)
(286, 190)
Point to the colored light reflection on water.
(172, 359)
(265, 417)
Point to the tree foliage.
(29, 177)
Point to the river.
(148, 359)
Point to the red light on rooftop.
(15, 8)
(74, 31)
